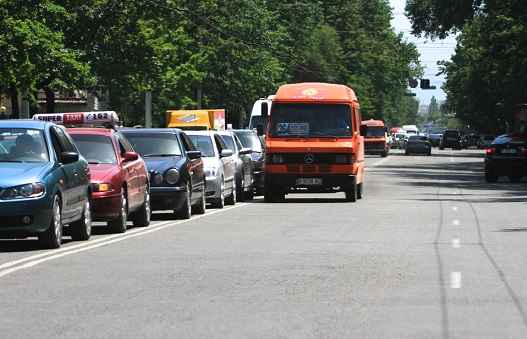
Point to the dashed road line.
(455, 280)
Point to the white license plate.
(508, 151)
(309, 181)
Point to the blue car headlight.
(172, 176)
(33, 190)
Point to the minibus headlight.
(277, 159)
(341, 159)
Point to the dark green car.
(44, 183)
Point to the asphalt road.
(431, 251)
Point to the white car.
(244, 165)
(399, 140)
(220, 186)
(485, 140)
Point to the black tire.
(259, 191)
(52, 237)
(141, 217)
(186, 210)
(201, 206)
(514, 178)
(220, 202)
(269, 194)
(360, 190)
(118, 225)
(406, 153)
(351, 193)
(489, 177)
(384, 154)
(430, 153)
(81, 229)
(240, 187)
(231, 199)
(249, 195)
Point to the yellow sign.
(309, 92)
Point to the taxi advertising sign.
(79, 118)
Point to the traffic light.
(425, 84)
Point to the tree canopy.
(485, 85)
(220, 53)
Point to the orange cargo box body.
(376, 138)
(199, 119)
(314, 142)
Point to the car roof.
(24, 123)
(191, 132)
(226, 132)
(245, 131)
(149, 130)
(88, 130)
(514, 135)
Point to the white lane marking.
(456, 243)
(455, 280)
(455, 222)
(454, 208)
(380, 162)
(90, 244)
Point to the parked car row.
(58, 173)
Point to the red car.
(119, 177)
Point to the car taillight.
(490, 150)
(524, 150)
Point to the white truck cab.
(256, 113)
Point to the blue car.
(175, 169)
(44, 183)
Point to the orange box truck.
(314, 142)
(376, 139)
(198, 119)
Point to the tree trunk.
(50, 100)
(14, 102)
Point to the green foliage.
(220, 53)
(485, 79)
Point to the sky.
(431, 52)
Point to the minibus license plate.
(309, 181)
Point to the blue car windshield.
(155, 144)
(23, 145)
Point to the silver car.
(244, 165)
(220, 187)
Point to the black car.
(418, 144)
(175, 169)
(507, 156)
(451, 139)
(472, 140)
(435, 139)
(250, 138)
